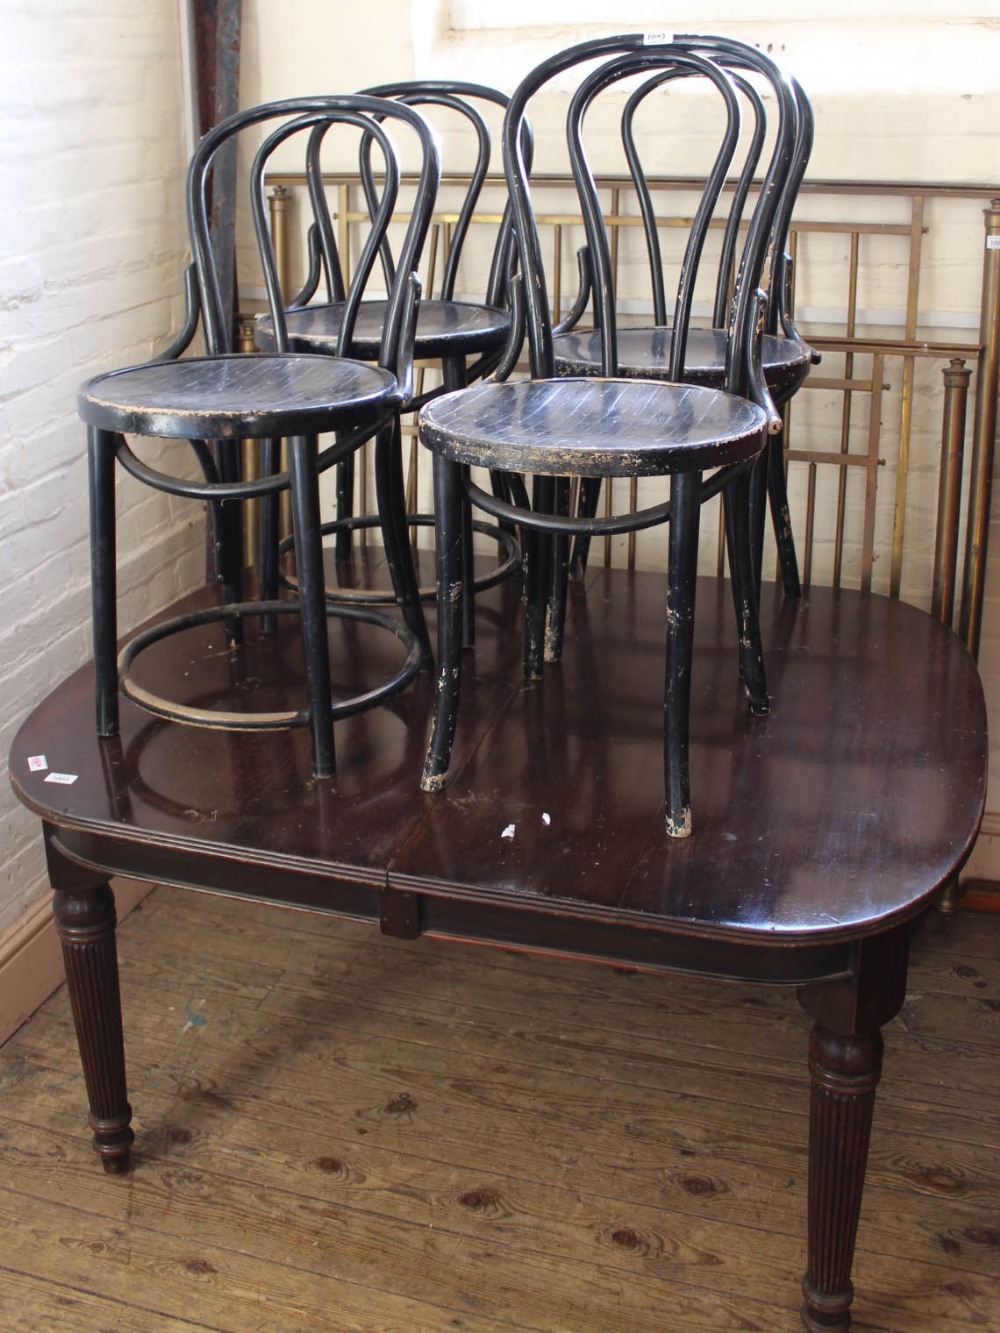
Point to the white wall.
(92, 243)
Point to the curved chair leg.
(736, 503)
(590, 493)
(769, 491)
(269, 536)
(391, 500)
(555, 616)
(304, 481)
(454, 377)
(448, 528)
(345, 506)
(103, 576)
(227, 523)
(682, 574)
(780, 515)
(538, 582)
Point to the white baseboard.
(31, 966)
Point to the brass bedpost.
(279, 204)
(956, 395)
(249, 456)
(983, 437)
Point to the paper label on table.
(37, 763)
(66, 779)
(993, 242)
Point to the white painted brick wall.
(92, 244)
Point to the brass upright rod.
(250, 459)
(956, 392)
(983, 437)
(278, 203)
(906, 398)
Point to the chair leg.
(391, 500)
(555, 621)
(682, 574)
(737, 513)
(468, 565)
(228, 523)
(269, 538)
(538, 582)
(304, 480)
(103, 577)
(780, 516)
(345, 507)
(448, 530)
(590, 493)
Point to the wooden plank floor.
(340, 1131)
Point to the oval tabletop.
(834, 817)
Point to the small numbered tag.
(993, 242)
(65, 779)
(655, 38)
(37, 763)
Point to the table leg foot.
(845, 1071)
(845, 1063)
(85, 920)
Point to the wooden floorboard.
(340, 1131)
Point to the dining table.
(821, 831)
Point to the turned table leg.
(845, 1062)
(85, 920)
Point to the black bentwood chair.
(220, 399)
(449, 331)
(644, 351)
(600, 427)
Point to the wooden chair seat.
(593, 427)
(645, 353)
(444, 329)
(235, 397)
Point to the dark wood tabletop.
(821, 830)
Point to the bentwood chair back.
(644, 350)
(462, 338)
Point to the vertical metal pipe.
(906, 401)
(956, 393)
(983, 437)
(249, 457)
(871, 471)
(845, 420)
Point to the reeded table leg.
(85, 920)
(845, 1062)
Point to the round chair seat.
(645, 353)
(604, 428)
(236, 397)
(444, 328)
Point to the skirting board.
(31, 966)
